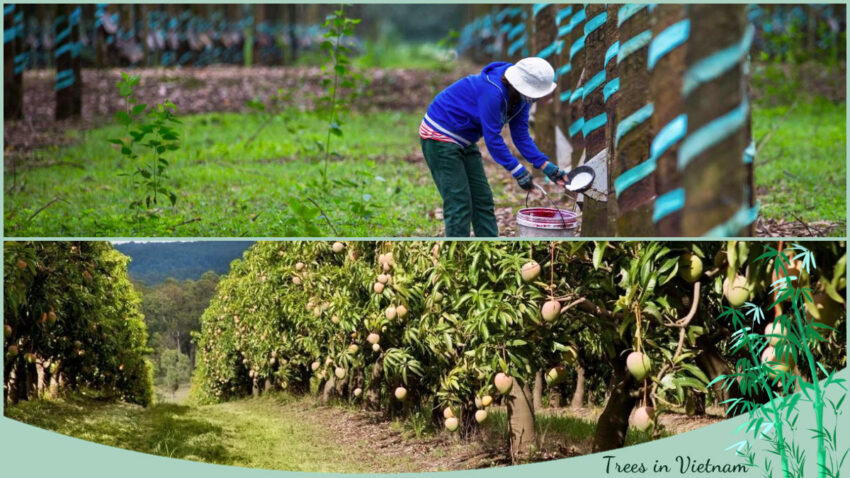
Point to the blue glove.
(524, 180)
(554, 173)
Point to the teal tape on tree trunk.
(668, 203)
(612, 52)
(717, 63)
(577, 94)
(576, 127)
(592, 84)
(563, 14)
(564, 70)
(750, 152)
(538, 7)
(577, 47)
(712, 133)
(741, 219)
(642, 170)
(633, 175)
(634, 119)
(516, 46)
(595, 23)
(565, 96)
(516, 31)
(628, 11)
(579, 17)
(669, 135)
(610, 88)
(592, 124)
(546, 52)
(633, 44)
(666, 41)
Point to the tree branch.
(684, 321)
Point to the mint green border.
(30, 451)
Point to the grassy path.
(272, 433)
(297, 434)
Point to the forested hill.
(153, 262)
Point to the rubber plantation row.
(655, 99)
(446, 329)
(72, 319)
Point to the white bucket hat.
(532, 77)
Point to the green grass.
(257, 433)
(558, 431)
(801, 170)
(283, 432)
(226, 188)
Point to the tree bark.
(373, 393)
(715, 176)
(329, 390)
(713, 364)
(69, 81)
(14, 61)
(342, 387)
(565, 86)
(612, 79)
(545, 34)
(595, 212)
(537, 396)
(635, 200)
(578, 394)
(576, 81)
(665, 89)
(556, 396)
(520, 420)
(613, 423)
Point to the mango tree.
(442, 330)
(72, 319)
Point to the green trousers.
(460, 178)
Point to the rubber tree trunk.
(634, 181)
(578, 394)
(611, 95)
(542, 45)
(575, 46)
(665, 88)
(595, 212)
(69, 81)
(14, 61)
(613, 423)
(292, 21)
(565, 87)
(537, 395)
(521, 420)
(715, 175)
(517, 37)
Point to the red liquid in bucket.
(546, 221)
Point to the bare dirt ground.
(369, 436)
(365, 433)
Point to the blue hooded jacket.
(477, 106)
